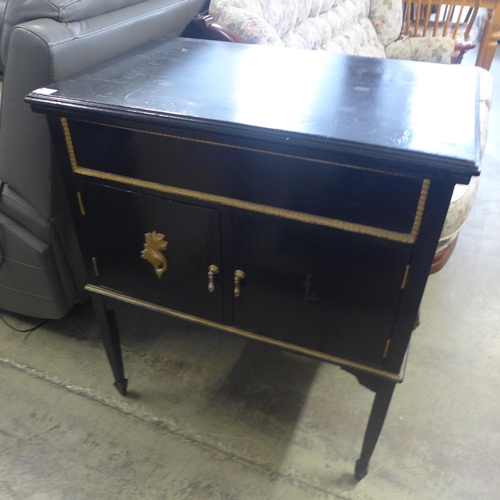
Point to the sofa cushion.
(342, 26)
(426, 49)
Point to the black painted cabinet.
(307, 219)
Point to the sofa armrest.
(248, 26)
(426, 49)
(213, 31)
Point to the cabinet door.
(118, 221)
(328, 291)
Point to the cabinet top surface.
(376, 106)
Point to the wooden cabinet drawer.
(117, 222)
(335, 195)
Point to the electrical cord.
(28, 331)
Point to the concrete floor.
(212, 416)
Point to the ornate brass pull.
(153, 247)
(212, 270)
(238, 276)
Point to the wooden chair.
(448, 18)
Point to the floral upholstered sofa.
(358, 27)
(370, 28)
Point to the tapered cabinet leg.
(380, 406)
(111, 339)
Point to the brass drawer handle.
(212, 270)
(152, 252)
(238, 276)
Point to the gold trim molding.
(255, 207)
(336, 360)
(245, 148)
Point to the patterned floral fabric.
(460, 207)
(357, 27)
(387, 19)
(426, 49)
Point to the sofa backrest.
(64, 11)
(361, 27)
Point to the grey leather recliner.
(41, 274)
